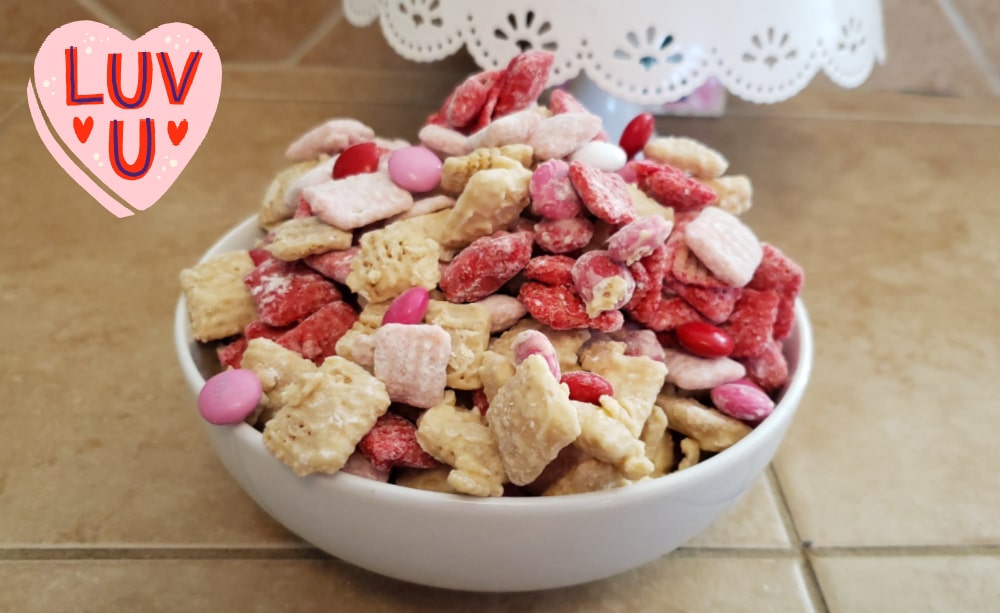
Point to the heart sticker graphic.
(123, 118)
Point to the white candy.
(603, 156)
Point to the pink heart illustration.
(152, 101)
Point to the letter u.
(143, 160)
(143, 85)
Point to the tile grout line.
(971, 42)
(108, 17)
(325, 26)
(813, 587)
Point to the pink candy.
(416, 169)
(552, 193)
(229, 397)
(408, 307)
(742, 401)
(532, 342)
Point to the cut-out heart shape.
(176, 132)
(154, 97)
(83, 128)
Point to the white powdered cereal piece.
(691, 452)
(561, 135)
(318, 174)
(689, 155)
(457, 170)
(532, 419)
(609, 440)
(492, 200)
(458, 437)
(505, 311)
(713, 430)
(426, 206)
(734, 193)
(275, 207)
(690, 372)
(331, 137)
(218, 303)
(412, 361)
(724, 245)
(509, 129)
(299, 238)
(469, 328)
(358, 200)
(636, 379)
(441, 140)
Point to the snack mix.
(516, 306)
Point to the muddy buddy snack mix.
(515, 306)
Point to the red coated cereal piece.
(392, 442)
(560, 309)
(649, 273)
(334, 265)
(686, 268)
(671, 187)
(467, 101)
(603, 193)
(524, 80)
(259, 255)
(480, 401)
(259, 329)
(602, 283)
(659, 313)
(768, 369)
(561, 101)
(550, 269)
(751, 324)
(231, 355)
(716, 304)
(563, 235)
(779, 273)
(303, 210)
(552, 193)
(315, 338)
(586, 386)
(287, 292)
(484, 266)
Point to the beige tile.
(983, 18)
(346, 46)
(102, 442)
(14, 74)
(242, 30)
(683, 584)
(755, 521)
(24, 25)
(10, 103)
(934, 583)
(925, 54)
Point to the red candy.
(287, 292)
(752, 323)
(525, 80)
(637, 133)
(550, 269)
(587, 386)
(671, 187)
(605, 194)
(561, 309)
(704, 340)
(563, 235)
(315, 338)
(391, 442)
(356, 159)
(484, 266)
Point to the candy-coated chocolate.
(603, 156)
(355, 160)
(704, 340)
(408, 307)
(417, 169)
(636, 134)
(229, 397)
(744, 402)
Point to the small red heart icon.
(83, 128)
(176, 131)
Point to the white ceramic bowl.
(498, 544)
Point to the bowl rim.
(246, 435)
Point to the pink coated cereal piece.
(638, 239)
(484, 266)
(428, 205)
(552, 193)
(358, 200)
(229, 397)
(331, 137)
(508, 130)
(412, 362)
(443, 140)
(561, 101)
(334, 265)
(716, 304)
(627, 173)
(725, 245)
(768, 369)
(505, 311)
(742, 402)
(357, 464)
(560, 135)
(320, 173)
(560, 236)
(642, 342)
(602, 283)
(693, 373)
(533, 342)
(363, 351)
(685, 267)
(303, 210)
(604, 194)
(408, 307)
(416, 169)
(523, 81)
